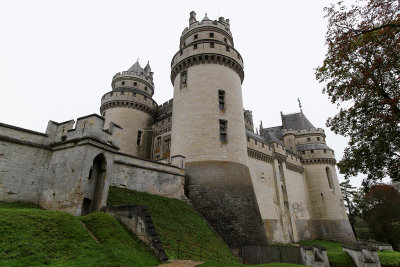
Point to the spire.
(147, 65)
(205, 17)
(192, 18)
(136, 67)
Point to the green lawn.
(213, 264)
(337, 257)
(389, 258)
(30, 236)
(174, 220)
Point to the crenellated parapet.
(131, 79)
(129, 98)
(309, 131)
(91, 126)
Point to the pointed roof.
(296, 121)
(136, 68)
(205, 18)
(147, 65)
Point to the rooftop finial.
(298, 100)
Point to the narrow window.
(223, 126)
(145, 88)
(324, 150)
(312, 150)
(318, 139)
(221, 99)
(195, 46)
(211, 35)
(139, 137)
(303, 152)
(195, 36)
(225, 40)
(181, 52)
(227, 48)
(212, 45)
(308, 139)
(145, 98)
(158, 142)
(329, 176)
(183, 79)
(135, 83)
(122, 83)
(134, 94)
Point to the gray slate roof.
(136, 68)
(314, 146)
(296, 121)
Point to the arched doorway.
(94, 185)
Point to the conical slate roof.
(296, 121)
(205, 18)
(136, 68)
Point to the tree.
(348, 193)
(382, 213)
(361, 72)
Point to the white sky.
(57, 57)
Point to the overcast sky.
(57, 58)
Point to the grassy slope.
(336, 256)
(389, 258)
(174, 220)
(30, 236)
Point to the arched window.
(329, 176)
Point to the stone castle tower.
(207, 73)
(278, 185)
(130, 105)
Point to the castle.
(276, 186)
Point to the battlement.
(222, 23)
(148, 78)
(303, 131)
(91, 126)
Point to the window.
(211, 35)
(248, 139)
(227, 48)
(135, 83)
(303, 152)
(221, 99)
(324, 150)
(145, 88)
(318, 139)
(122, 83)
(225, 40)
(145, 98)
(183, 79)
(195, 37)
(329, 176)
(139, 137)
(158, 143)
(195, 46)
(212, 45)
(312, 150)
(134, 94)
(181, 52)
(308, 139)
(223, 126)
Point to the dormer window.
(196, 36)
(211, 35)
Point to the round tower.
(208, 129)
(130, 105)
(327, 210)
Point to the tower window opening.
(181, 52)
(211, 35)
(134, 94)
(212, 45)
(122, 83)
(227, 48)
(139, 137)
(324, 150)
(183, 79)
(158, 143)
(225, 40)
(145, 98)
(303, 152)
(221, 99)
(195, 46)
(195, 36)
(308, 139)
(329, 176)
(312, 150)
(135, 83)
(145, 88)
(223, 126)
(318, 139)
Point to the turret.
(326, 202)
(207, 73)
(130, 105)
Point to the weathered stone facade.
(278, 185)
